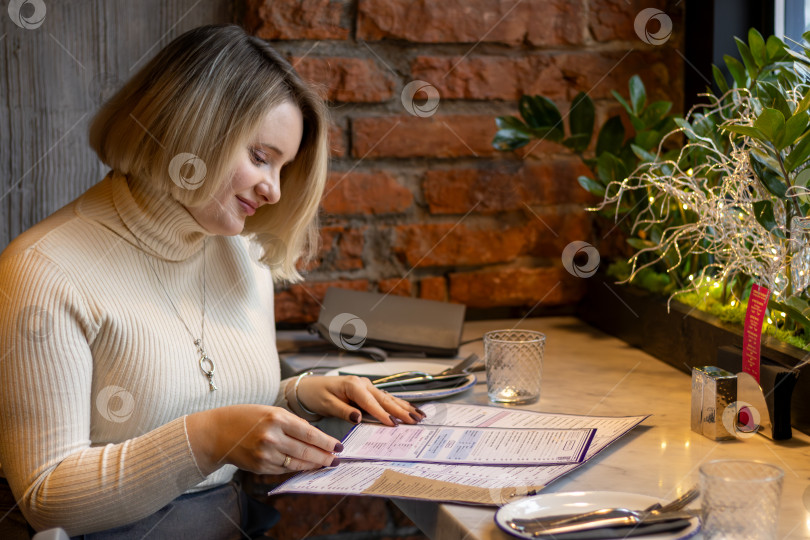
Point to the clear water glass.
(740, 499)
(514, 363)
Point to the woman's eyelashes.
(258, 158)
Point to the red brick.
(433, 288)
(549, 182)
(614, 19)
(297, 19)
(301, 303)
(515, 287)
(490, 77)
(548, 232)
(449, 244)
(661, 70)
(337, 141)
(473, 21)
(375, 192)
(435, 136)
(347, 79)
(557, 76)
(396, 286)
(341, 248)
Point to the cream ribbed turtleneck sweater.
(96, 369)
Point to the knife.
(610, 527)
(445, 380)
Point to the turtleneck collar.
(162, 226)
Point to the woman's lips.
(248, 208)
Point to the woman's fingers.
(381, 405)
(307, 446)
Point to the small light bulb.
(770, 321)
(652, 199)
(783, 314)
(689, 172)
(685, 207)
(733, 303)
(691, 277)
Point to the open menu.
(466, 445)
(471, 483)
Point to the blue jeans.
(220, 513)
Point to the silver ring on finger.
(287, 460)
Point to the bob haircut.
(204, 96)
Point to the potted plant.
(711, 202)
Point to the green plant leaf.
(798, 156)
(775, 49)
(804, 104)
(611, 136)
(737, 70)
(770, 122)
(642, 154)
(540, 112)
(747, 58)
(648, 140)
(610, 168)
(581, 116)
(577, 143)
(511, 135)
(639, 243)
(794, 127)
(757, 45)
(591, 186)
(622, 101)
(638, 95)
(720, 79)
(763, 212)
(550, 133)
(655, 112)
(795, 308)
(750, 131)
(770, 96)
(772, 181)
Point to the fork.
(453, 370)
(535, 524)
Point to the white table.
(587, 372)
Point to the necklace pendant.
(207, 366)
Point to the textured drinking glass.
(514, 360)
(740, 499)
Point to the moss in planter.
(707, 300)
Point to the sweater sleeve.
(45, 408)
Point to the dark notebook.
(394, 323)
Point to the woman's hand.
(348, 396)
(258, 438)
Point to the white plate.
(575, 502)
(389, 368)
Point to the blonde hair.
(205, 94)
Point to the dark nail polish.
(420, 411)
(355, 417)
(395, 420)
(335, 462)
(415, 418)
(338, 448)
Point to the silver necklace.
(206, 363)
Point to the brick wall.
(420, 204)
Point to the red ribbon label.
(752, 332)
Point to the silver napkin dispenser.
(713, 390)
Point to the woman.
(140, 368)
